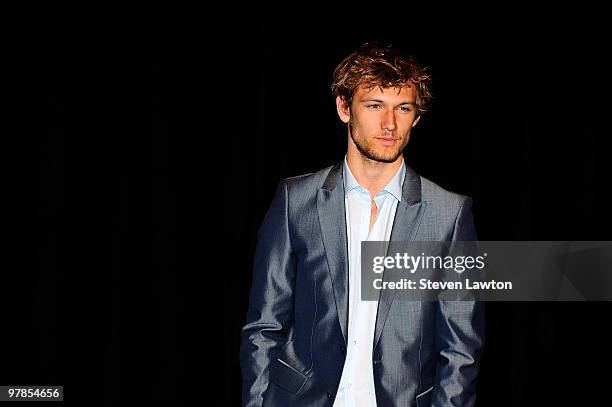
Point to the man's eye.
(373, 106)
(405, 109)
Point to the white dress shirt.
(357, 382)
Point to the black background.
(159, 151)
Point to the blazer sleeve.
(459, 335)
(270, 312)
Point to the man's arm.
(459, 336)
(270, 311)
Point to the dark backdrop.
(158, 155)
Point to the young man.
(309, 339)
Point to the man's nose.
(388, 122)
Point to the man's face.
(380, 121)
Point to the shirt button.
(354, 343)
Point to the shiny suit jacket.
(294, 340)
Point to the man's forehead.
(367, 90)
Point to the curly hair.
(381, 65)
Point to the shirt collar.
(394, 187)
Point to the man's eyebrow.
(374, 99)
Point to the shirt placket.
(363, 200)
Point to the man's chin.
(383, 158)
(377, 154)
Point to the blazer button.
(331, 396)
(343, 349)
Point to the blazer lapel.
(330, 205)
(407, 219)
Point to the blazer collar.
(332, 219)
(411, 188)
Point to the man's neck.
(373, 175)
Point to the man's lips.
(387, 141)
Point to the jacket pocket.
(424, 399)
(287, 377)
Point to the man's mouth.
(387, 141)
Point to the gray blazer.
(294, 342)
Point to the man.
(309, 339)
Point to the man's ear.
(344, 111)
(416, 120)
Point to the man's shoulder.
(313, 180)
(437, 196)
